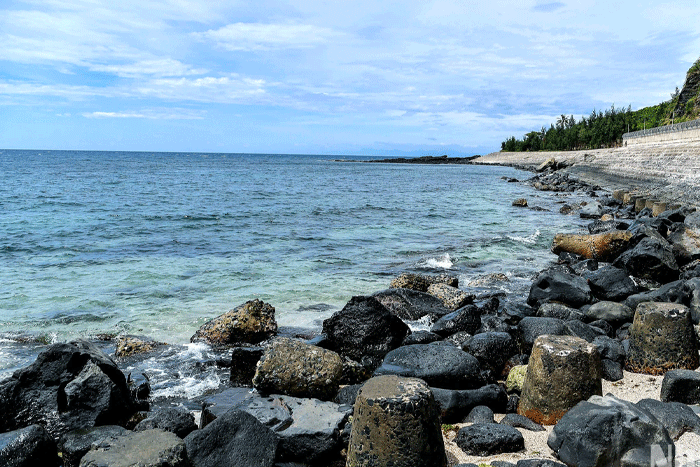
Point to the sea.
(97, 244)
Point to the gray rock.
(364, 331)
(480, 414)
(443, 366)
(410, 304)
(31, 446)
(539, 463)
(677, 418)
(605, 431)
(611, 370)
(584, 331)
(174, 420)
(610, 348)
(314, 435)
(270, 411)
(489, 439)
(520, 421)
(455, 404)
(150, 448)
(559, 311)
(421, 337)
(235, 438)
(75, 444)
(673, 292)
(347, 394)
(612, 312)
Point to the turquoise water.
(158, 243)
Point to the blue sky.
(360, 77)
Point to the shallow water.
(157, 243)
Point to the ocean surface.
(105, 243)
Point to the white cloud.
(158, 68)
(258, 36)
(151, 114)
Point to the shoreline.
(669, 172)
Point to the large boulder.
(562, 371)
(466, 319)
(235, 438)
(554, 285)
(31, 446)
(250, 323)
(298, 369)
(410, 304)
(610, 283)
(364, 331)
(149, 448)
(602, 247)
(607, 431)
(442, 366)
(396, 422)
(69, 386)
(652, 258)
(661, 339)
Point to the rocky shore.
(597, 368)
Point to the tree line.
(598, 130)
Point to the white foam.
(422, 324)
(532, 239)
(444, 262)
(188, 387)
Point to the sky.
(327, 77)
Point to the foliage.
(605, 129)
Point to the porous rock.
(249, 323)
(516, 378)
(396, 422)
(612, 312)
(364, 331)
(558, 310)
(605, 431)
(562, 371)
(452, 297)
(492, 349)
(661, 339)
(681, 386)
(69, 386)
(442, 366)
(520, 421)
(131, 345)
(480, 414)
(298, 369)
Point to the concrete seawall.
(668, 171)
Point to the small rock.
(467, 319)
(75, 444)
(452, 297)
(480, 414)
(516, 378)
(519, 421)
(455, 404)
(520, 202)
(150, 448)
(250, 323)
(681, 386)
(556, 286)
(171, 419)
(410, 304)
(489, 439)
(132, 345)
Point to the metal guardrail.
(660, 130)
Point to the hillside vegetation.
(605, 129)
